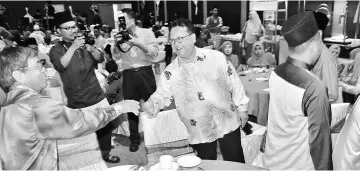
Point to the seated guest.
(335, 50)
(260, 57)
(351, 83)
(31, 43)
(206, 37)
(346, 154)
(32, 123)
(215, 21)
(227, 48)
(200, 43)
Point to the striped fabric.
(177, 148)
(164, 135)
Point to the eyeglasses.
(69, 28)
(38, 65)
(178, 40)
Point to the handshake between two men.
(135, 107)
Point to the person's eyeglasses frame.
(69, 28)
(178, 40)
(39, 65)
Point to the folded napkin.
(262, 79)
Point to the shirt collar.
(200, 56)
(22, 86)
(136, 31)
(299, 63)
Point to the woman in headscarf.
(351, 83)
(335, 50)
(227, 49)
(260, 57)
(251, 32)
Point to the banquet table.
(218, 165)
(258, 97)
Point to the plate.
(156, 167)
(189, 161)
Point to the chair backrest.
(339, 111)
(165, 135)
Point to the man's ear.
(17, 75)
(194, 37)
(58, 30)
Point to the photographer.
(137, 54)
(74, 59)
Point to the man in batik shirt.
(208, 94)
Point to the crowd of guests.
(202, 81)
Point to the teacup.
(166, 162)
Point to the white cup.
(166, 162)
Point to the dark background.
(230, 11)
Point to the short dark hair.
(96, 27)
(131, 14)
(182, 22)
(12, 59)
(215, 7)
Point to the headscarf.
(254, 24)
(224, 44)
(335, 47)
(255, 44)
(355, 70)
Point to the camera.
(83, 31)
(124, 36)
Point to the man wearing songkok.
(75, 61)
(326, 66)
(31, 124)
(208, 95)
(298, 129)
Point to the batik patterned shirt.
(208, 95)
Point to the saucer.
(189, 161)
(157, 167)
